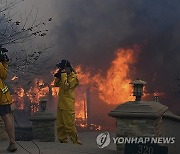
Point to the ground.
(89, 146)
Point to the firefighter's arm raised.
(68, 84)
(57, 82)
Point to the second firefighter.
(66, 79)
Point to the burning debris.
(14, 78)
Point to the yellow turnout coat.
(5, 97)
(66, 85)
(66, 107)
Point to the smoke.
(95, 29)
(89, 32)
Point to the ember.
(14, 78)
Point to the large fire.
(113, 88)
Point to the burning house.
(95, 96)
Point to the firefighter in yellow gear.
(5, 97)
(6, 101)
(66, 79)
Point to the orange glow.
(38, 91)
(114, 88)
(35, 93)
(19, 97)
(80, 112)
(81, 103)
(14, 78)
(21, 93)
(117, 89)
(158, 94)
(55, 90)
(82, 125)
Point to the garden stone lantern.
(43, 124)
(138, 88)
(138, 118)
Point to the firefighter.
(6, 101)
(66, 79)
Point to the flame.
(55, 90)
(21, 93)
(14, 78)
(35, 93)
(80, 110)
(114, 88)
(18, 98)
(38, 91)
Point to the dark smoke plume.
(90, 31)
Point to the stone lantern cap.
(42, 116)
(139, 109)
(138, 81)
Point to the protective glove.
(58, 75)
